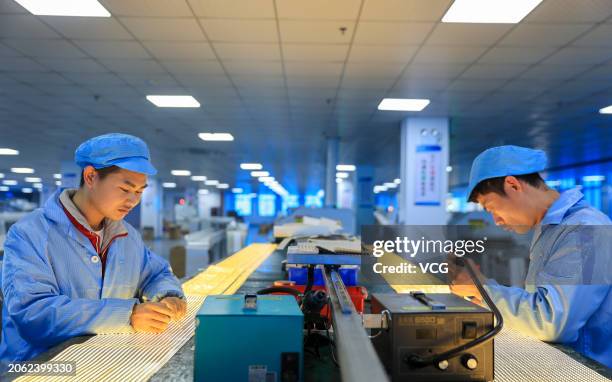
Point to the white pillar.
(151, 207)
(424, 180)
(331, 160)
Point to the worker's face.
(510, 211)
(117, 193)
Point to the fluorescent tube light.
(173, 101)
(82, 8)
(216, 137)
(22, 170)
(7, 151)
(403, 104)
(251, 166)
(345, 167)
(489, 11)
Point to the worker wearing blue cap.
(74, 267)
(568, 288)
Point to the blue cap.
(505, 161)
(121, 150)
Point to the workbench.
(511, 353)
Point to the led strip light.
(518, 357)
(137, 356)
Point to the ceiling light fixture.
(403, 104)
(173, 101)
(489, 11)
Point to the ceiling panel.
(579, 56)
(145, 8)
(113, 49)
(318, 9)
(405, 10)
(467, 34)
(314, 31)
(324, 69)
(544, 34)
(490, 71)
(79, 65)
(392, 33)
(173, 50)
(164, 29)
(253, 51)
(516, 55)
(251, 9)
(95, 28)
(448, 54)
(224, 30)
(382, 53)
(24, 27)
(315, 52)
(570, 11)
(193, 67)
(46, 48)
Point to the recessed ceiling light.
(397, 181)
(9, 182)
(83, 8)
(38, 186)
(216, 137)
(222, 186)
(180, 172)
(198, 178)
(169, 185)
(403, 104)
(32, 179)
(1, 175)
(449, 168)
(173, 101)
(22, 170)
(58, 182)
(606, 110)
(593, 178)
(211, 182)
(27, 190)
(342, 175)
(57, 176)
(237, 190)
(259, 173)
(203, 191)
(489, 11)
(6, 151)
(338, 180)
(345, 167)
(251, 166)
(4, 188)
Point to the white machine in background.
(7, 219)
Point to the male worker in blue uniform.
(74, 267)
(568, 289)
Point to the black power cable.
(418, 361)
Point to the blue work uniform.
(568, 290)
(54, 288)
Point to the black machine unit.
(423, 326)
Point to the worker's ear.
(89, 176)
(511, 184)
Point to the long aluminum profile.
(356, 355)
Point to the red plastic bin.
(358, 295)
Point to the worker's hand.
(466, 290)
(462, 284)
(150, 317)
(176, 305)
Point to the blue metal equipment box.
(252, 339)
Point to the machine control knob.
(469, 361)
(442, 365)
